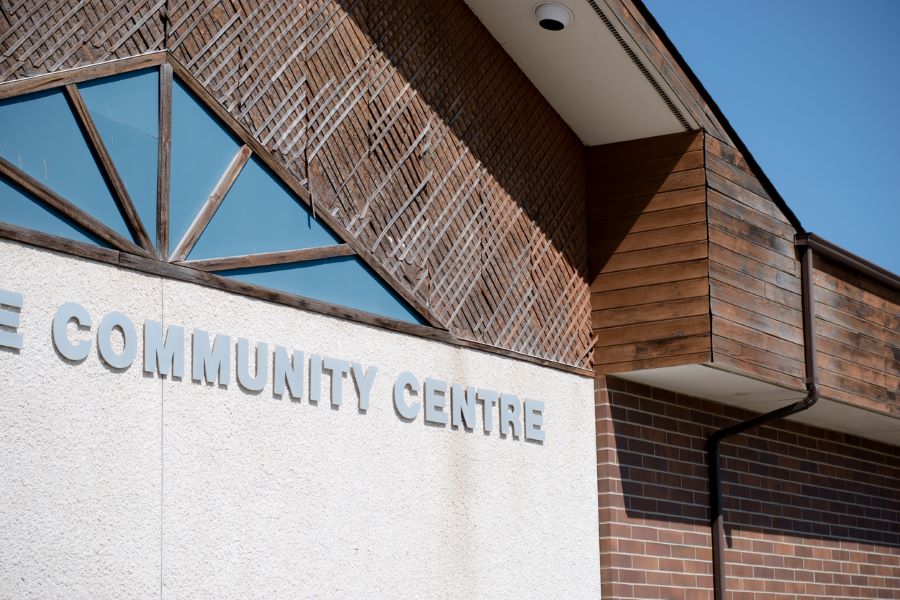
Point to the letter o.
(104, 341)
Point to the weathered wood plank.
(164, 161)
(742, 212)
(647, 313)
(660, 292)
(665, 273)
(657, 330)
(857, 285)
(750, 250)
(648, 185)
(602, 209)
(58, 244)
(842, 356)
(651, 349)
(39, 83)
(854, 323)
(861, 310)
(737, 296)
(107, 167)
(211, 205)
(649, 221)
(727, 153)
(637, 150)
(841, 380)
(66, 208)
(873, 295)
(751, 233)
(746, 359)
(736, 192)
(776, 348)
(855, 339)
(269, 258)
(654, 363)
(644, 240)
(655, 256)
(605, 175)
(737, 176)
(751, 267)
(756, 321)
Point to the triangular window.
(82, 162)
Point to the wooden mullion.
(70, 76)
(212, 204)
(164, 162)
(66, 208)
(294, 184)
(110, 173)
(266, 259)
(176, 272)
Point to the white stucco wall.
(121, 484)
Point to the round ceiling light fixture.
(553, 16)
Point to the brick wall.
(809, 513)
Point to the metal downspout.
(717, 523)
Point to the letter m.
(164, 355)
(210, 364)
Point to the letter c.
(404, 380)
(68, 312)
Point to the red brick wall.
(809, 513)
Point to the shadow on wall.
(637, 190)
(789, 479)
(454, 167)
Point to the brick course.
(809, 513)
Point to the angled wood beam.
(265, 259)
(67, 209)
(164, 163)
(212, 205)
(300, 190)
(110, 173)
(67, 76)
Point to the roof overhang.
(712, 383)
(592, 73)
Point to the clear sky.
(812, 87)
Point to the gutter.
(848, 259)
(807, 245)
(713, 444)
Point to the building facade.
(419, 299)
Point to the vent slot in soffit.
(648, 75)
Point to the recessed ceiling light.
(553, 16)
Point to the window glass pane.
(343, 280)
(201, 151)
(39, 134)
(260, 214)
(18, 208)
(125, 109)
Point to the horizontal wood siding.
(648, 247)
(857, 338)
(754, 274)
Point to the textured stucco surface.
(120, 484)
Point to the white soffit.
(704, 381)
(583, 71)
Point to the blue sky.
(813, 89)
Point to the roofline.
(719, 115)
(804, 237)
(849, 259)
